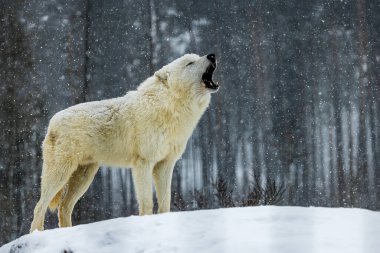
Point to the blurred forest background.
(298, 112)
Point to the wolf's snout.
(211, 57)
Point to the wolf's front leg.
(162, 174)
(142, 179)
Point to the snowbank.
(237, 230)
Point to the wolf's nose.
(211, 57)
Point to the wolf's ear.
(162, 75)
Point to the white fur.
(146, 130)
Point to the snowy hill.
(253, 229)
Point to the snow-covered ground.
(237, 230)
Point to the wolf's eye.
(189, 63)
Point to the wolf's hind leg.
(78, 184)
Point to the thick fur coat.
(146, 130)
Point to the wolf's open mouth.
(207, 77)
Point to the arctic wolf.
(146, 130)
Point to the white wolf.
(146, 130)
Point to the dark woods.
(296, 121)
(271, 194)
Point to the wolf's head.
(190, 72)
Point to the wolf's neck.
(189, 104)
(186, 114)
